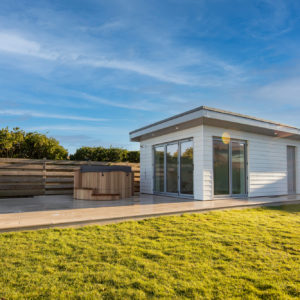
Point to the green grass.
(236, 254)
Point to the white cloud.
(286, 91)
(29, 113)
(151, 70)
(16, 44)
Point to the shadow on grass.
(291, 208)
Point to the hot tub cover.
(88, 168)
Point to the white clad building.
(206, 153)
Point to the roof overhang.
(218, 118)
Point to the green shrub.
(133, 156)
(105, 154)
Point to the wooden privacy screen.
(29, 177)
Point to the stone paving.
(63, 210)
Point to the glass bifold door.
(229, 167)
(173, 168)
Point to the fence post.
(44, 173)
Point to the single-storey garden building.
(207, 153)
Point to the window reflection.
(159, 153)
(172, 168)
(186, 168)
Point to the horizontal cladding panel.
(61, 167)
(65, 174)
(21, 186)
(267, 163)
(253, 172)
(21, 179)
(21, 160)
(268, 174)
(269, 181)
(59, 179)
(268, 184)
(21, 166)
(16, 173)
(260, 157)
(58, 186)
(23, 192)
(267, 188)
(59, 192)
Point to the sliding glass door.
(173, 168)
(159, 158)
(238, 170)
(186, 168)
(229, 167)
(221, 167)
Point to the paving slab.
(40, 212)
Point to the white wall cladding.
(267, 161)
(146, 168)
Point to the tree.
(19, 144)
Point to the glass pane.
(172, 168)
(159, 168)
(221, 168)
(238, 168)
(186, 168)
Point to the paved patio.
(50, 211)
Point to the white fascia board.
(169, 123)
(250, 122)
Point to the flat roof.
(202, 114)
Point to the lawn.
(241, 254)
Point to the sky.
(88, 72)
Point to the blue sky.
(88, 72)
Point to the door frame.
(165, 193)
(230, 195)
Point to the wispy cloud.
(170, 70)
(80, 128)
(16, 44)
(272, 20)
(35, 114)
(143, 105)
(139, 68)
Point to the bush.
(133, 156)
(19, 144)
(105, 154)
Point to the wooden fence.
(29, 177)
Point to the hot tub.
(103, 182)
